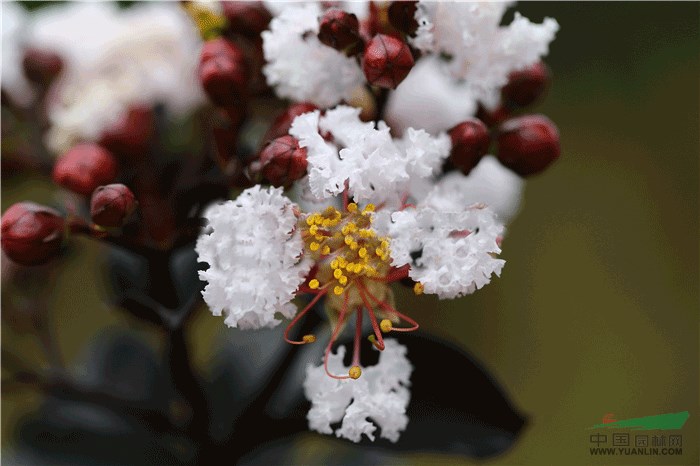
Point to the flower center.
(345, 247)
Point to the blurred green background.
(597, 308)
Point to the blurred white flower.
(14, 21)
(489, 183)
(300, 67)
(478, 49)
(378, 398)
(115, 59)
(254, 254)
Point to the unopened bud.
(529, 144)
(283, 122)
(41, 66)
(111, 205)
(526, 86)
(246, 18)
(387, 61)
(223, 72)
(31, 233)
(340, 30)
(283, 161)
(131, 135)
(470, 142)
(85, 167)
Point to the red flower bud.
(41, 66)
(131, 135)
(223, 72)
(402, 16)
(283, 122)
(470, 142)
(85, 167)
(111, 205)
(493, 117)
(31, 233)
(526, 86)
(246, 18)
(529, 144)
(282, 161)
(341, 31)
(387, 61)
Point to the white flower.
(376, 167)
(435, 107)
(450, 253)
(14, 19)
(481, 51)
(489, 183)
(253, 250)
(98, 84)
(378, 398)
(300, 67)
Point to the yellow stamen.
(385, 325)
(338, 290)
(308, 338)
(313, 284)
(314, 246)
(418, 288)
(355, 372)
(352, 207)
(326, 250)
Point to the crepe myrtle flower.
(263, 251)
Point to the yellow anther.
(338, 290)
(314, 246)
(350, 266)
(379, 252)
(326, 250)
(355, 372)
(326, 222)
(319, 237)
(310, 219)
(342, 262)
(354, 245)
(362, 252)
(358, 268)
(343, 280)
(418, 288)
(348, 240)
(334, 264)
(369, 208)
(313, 284)
(352, 207)
(385, 325)
(313, 229)
(385, 244)
(337, 273)
(318, 219)
(308, 338)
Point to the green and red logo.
(670, 421)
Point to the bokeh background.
(597, 308)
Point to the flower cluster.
(399, 156)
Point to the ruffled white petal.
(376, 167)
(253, 251)
(300, 67)
(481, 51)
(454, 251)
(378, 398)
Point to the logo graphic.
(671, 421)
